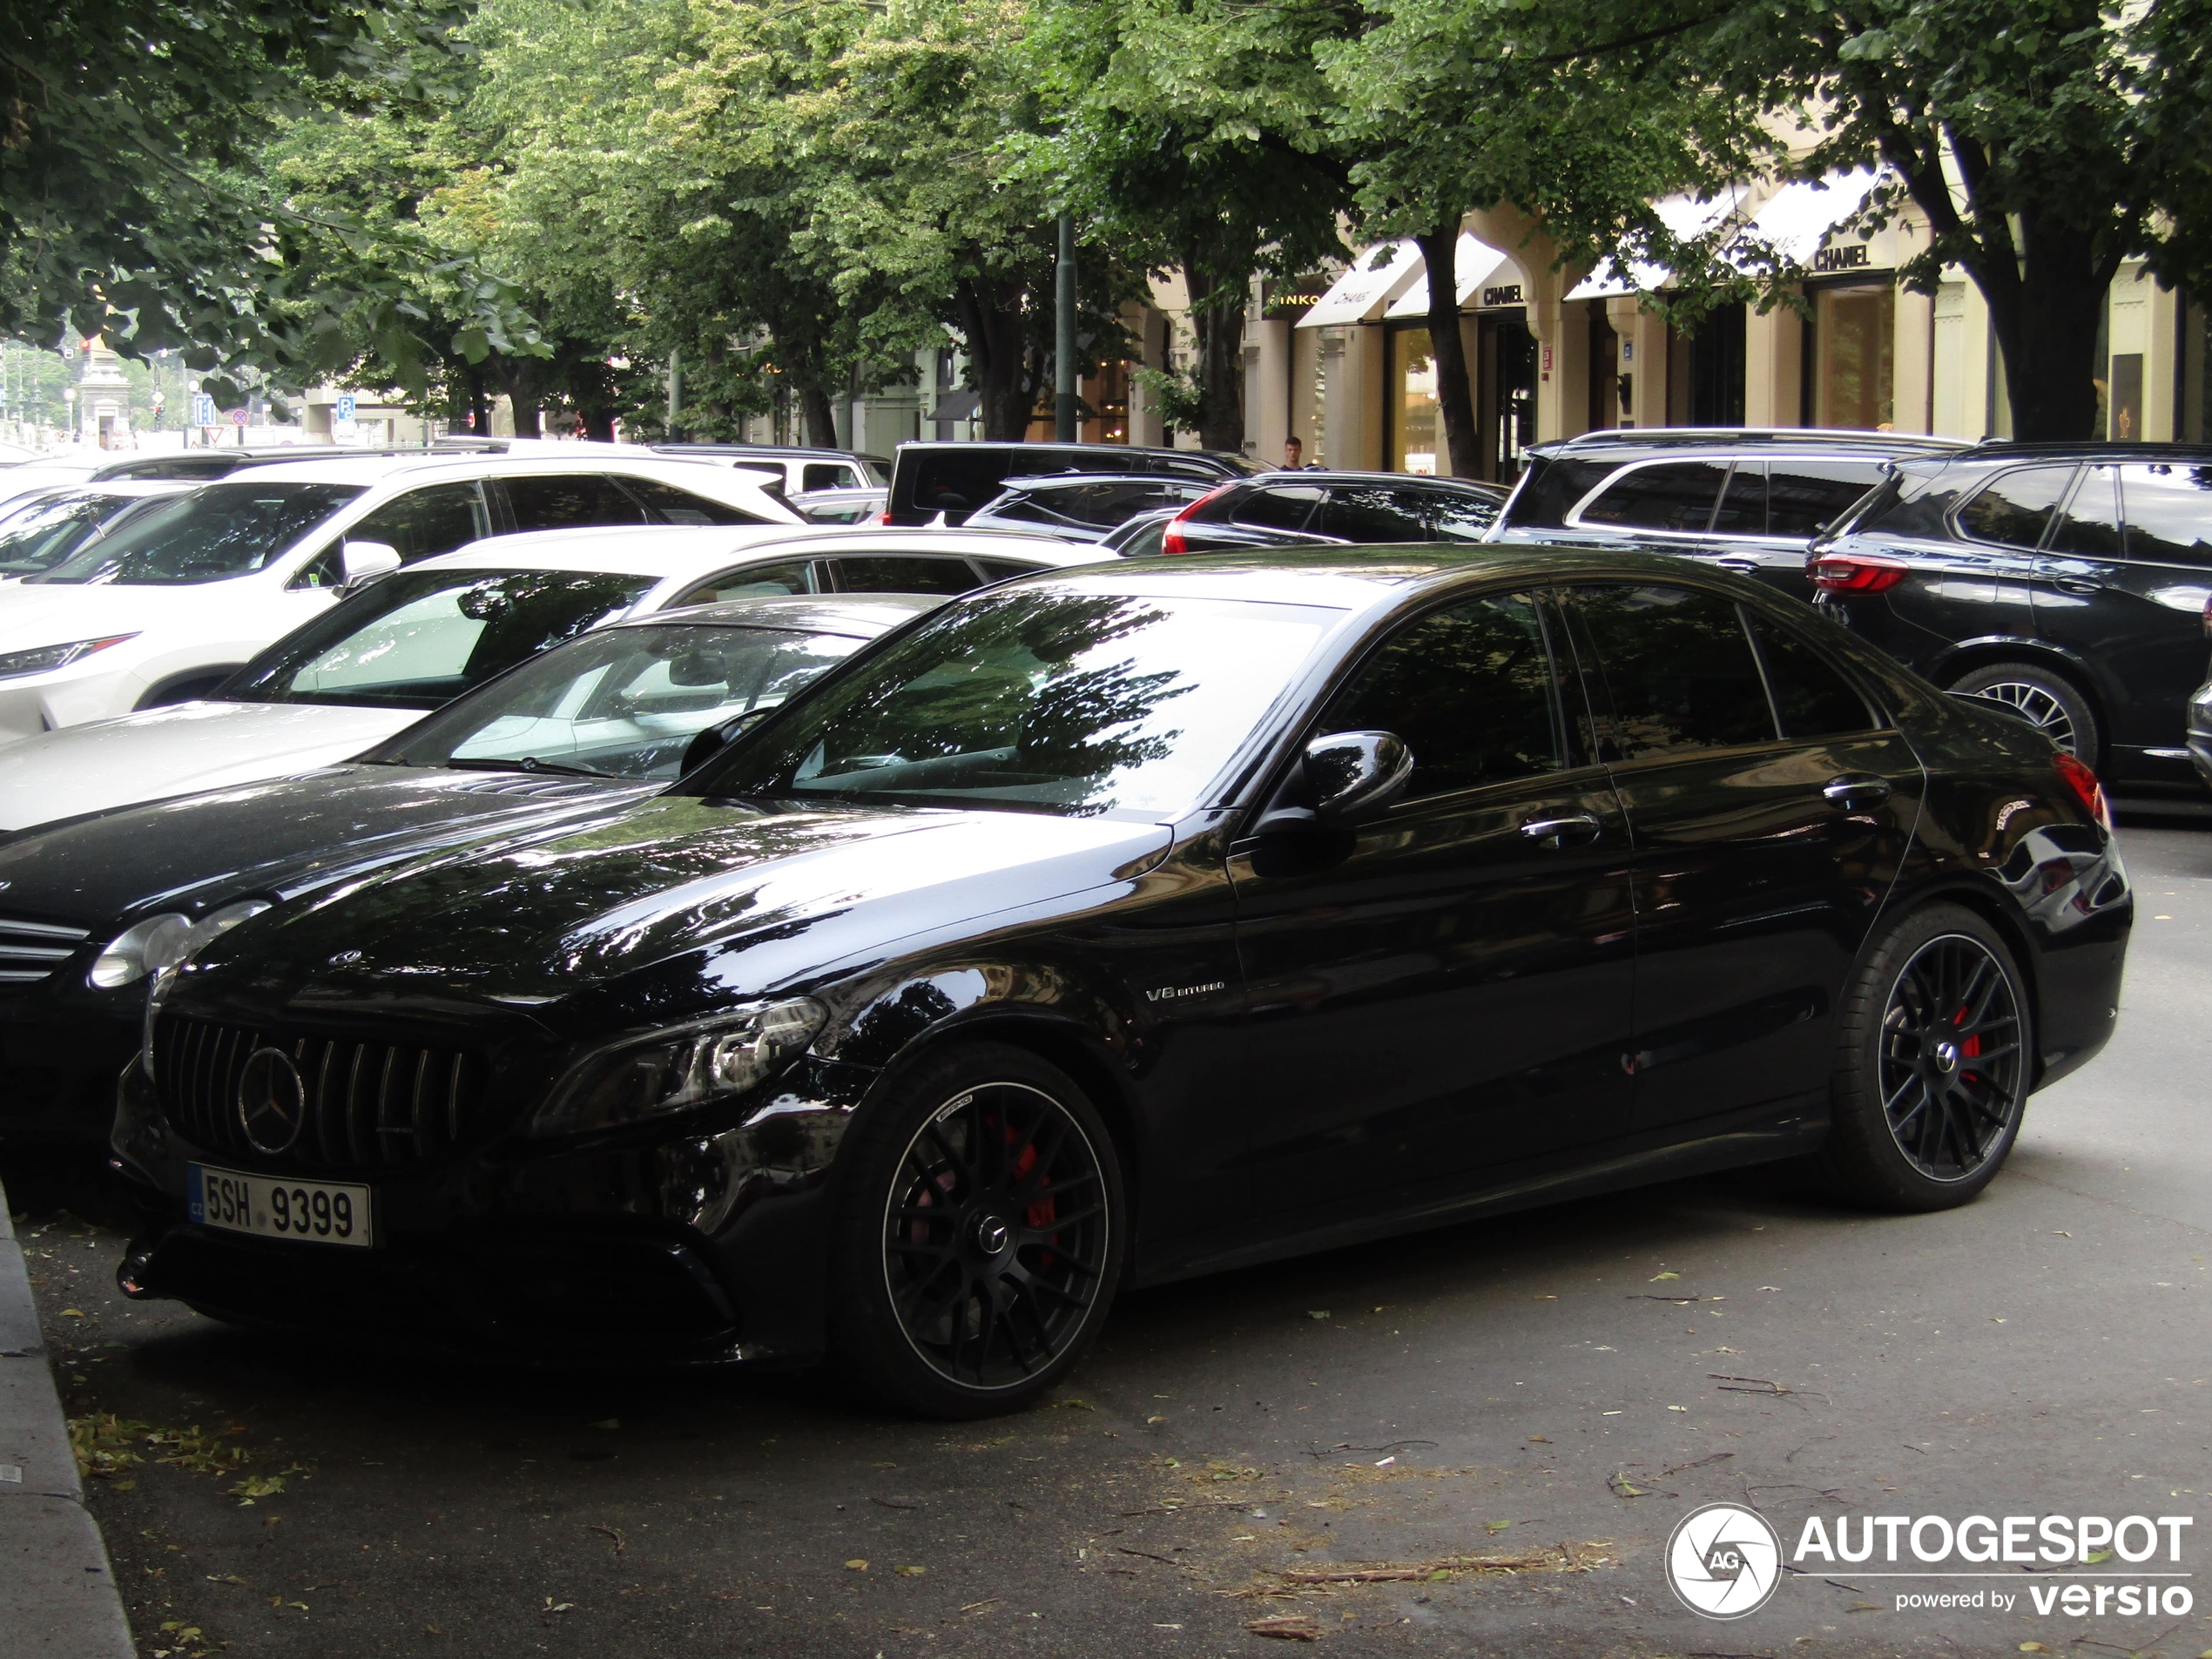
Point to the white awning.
(1796, 222)
(1477, 262)
(1377, 277)
(1686, 217)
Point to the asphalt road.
(1530, 1389)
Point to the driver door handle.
(1562, 832)
(1740, 564)
(1857, 790)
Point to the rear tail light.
(1848, 573)
(2076, 774)
(884, 518)
(1171, 538)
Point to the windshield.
(41, 533)
(1076, 704)
(419, 639)
(626, 702)
(208, 535)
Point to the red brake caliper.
(1972, 1046)
(1046, 1210)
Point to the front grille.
(30, 951)
(369, 1105)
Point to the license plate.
(318, 1212)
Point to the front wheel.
(1934, 1058)
(981, 1233)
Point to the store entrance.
(1505, 401)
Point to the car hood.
(57, 613)
(674, 906)
(278, 838)
(186, 747)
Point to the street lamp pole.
(1063, 366)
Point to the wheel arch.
(1999, 911)
(1966, 655)
(165, 689)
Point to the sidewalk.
(58, 1594)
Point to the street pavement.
(1553, 1390)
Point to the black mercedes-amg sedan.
(1123, 923)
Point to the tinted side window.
(1372, 512)
(569, 502)
(1285, 507)
(1813, 699)
(673, 506)
(1744, 504)
(947, 481)
(1472, 690)
(1679, 670)
(999, 569)
(2169, 512)
(888, 573)
(435, 519)
(1804, 497)
(1672, 495)
(750, 581)
(2091, 526)
(2013, 508)
(1455, 517)
(828, 474)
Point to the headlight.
(163, 941)
(673, 1071)
(45, 658)
(177, 950)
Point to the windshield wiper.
(528, 763)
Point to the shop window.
(1416, 424)
(2127, 398)
(1854, 338)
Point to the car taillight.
(1847, 573)
(1171, 538)
(2074, 773)
(884, 518)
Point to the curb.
(58, 1594)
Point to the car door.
(2006, 522)
(2131, 604)
(1771, 805)
(1446, 992)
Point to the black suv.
(1748, 501)
(1084, 506)
(2069, 581)
(1286, 509)
(955, 479)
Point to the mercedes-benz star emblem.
(1724, 1561)
(272, 1100)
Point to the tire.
(980, 1230)
(1917, 1123)
(2048, 698)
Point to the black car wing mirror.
(709, 741)
(1345, 777)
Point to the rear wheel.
(2048, 698)
(1934, 1058)
(979, 1236)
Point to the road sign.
(344, 408)
(239, 417)
(202, 409)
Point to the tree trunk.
(519, 379)
(2046, 329)
(820, 416)
(990, 315)
(1447, 349)
(1217, 326)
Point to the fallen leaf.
(858, 1565)
(256, 1485)
(1297, 1628)
(72, 1313)
(1677, 1408)
(2033, 1646)
(2097, 1558)
(1155, 1419)
(1314, 1313)
(1495, 1525)
(1074, 1406)
(1656, 1277)
(224, 1578)
(910, 1572)
(1540, 1440)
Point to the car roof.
(862, 614)
(1086, 480)
(1326, 475)
(2083, 449)
(1359, 579)
(1789, 437)
(372, 470)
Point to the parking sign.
(344, 408)
(202, 409)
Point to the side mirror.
(710, 741)
(366, 561)
(1348, 777)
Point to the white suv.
(180, 599)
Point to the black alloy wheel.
(1950, 1063)
(983, 1235)
(1934, 1063)
(2050, 702)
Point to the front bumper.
(706, 1245)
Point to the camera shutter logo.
(272, 1100)
(1724, 1561)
